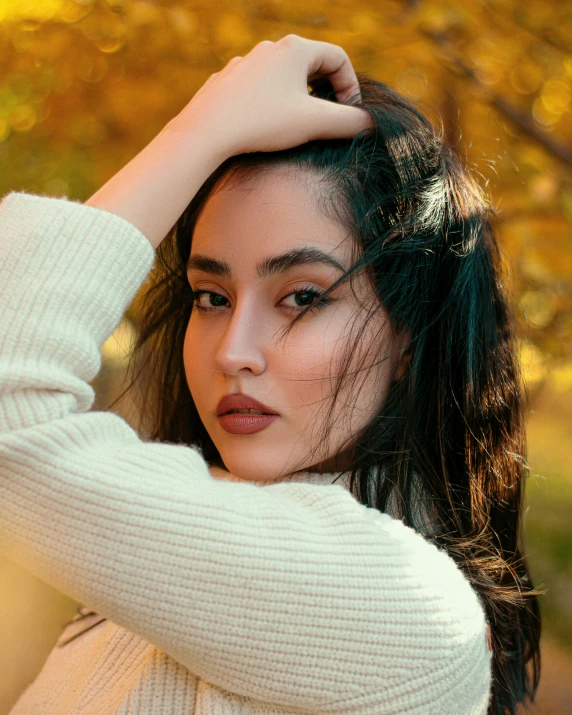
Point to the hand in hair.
(260, 102)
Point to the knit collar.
(425, 520)
(319, 478)
(303, 477)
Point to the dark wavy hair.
(450, 434)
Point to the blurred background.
(86, 84)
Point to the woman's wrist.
(156, 186)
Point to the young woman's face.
(261, 251)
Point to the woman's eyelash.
(196, 295)
(318, 302)
(190, 295)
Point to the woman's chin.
(256, 467)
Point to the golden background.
(86, 84)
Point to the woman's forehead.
(268, 213)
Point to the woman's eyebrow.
(270, 265)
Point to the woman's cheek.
(313, 357)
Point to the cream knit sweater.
(222, 596)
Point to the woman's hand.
(260, 102)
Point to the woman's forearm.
(256, 103)
(155, 187)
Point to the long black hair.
(445, 454)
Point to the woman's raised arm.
(259, 102)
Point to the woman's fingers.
(338, 121)
(260, 102)
(331, 62)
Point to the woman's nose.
(241, 343)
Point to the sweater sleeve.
(291, 593)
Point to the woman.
(327, 517)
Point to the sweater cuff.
(97, 256)
(69, 271)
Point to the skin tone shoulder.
(243, 299)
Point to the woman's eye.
(305, 298)
(208, 300)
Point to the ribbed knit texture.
(222, 596)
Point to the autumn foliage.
(85, 84)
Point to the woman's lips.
(240, 401)
(237, 423)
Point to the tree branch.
(515, 115)
(540, 35)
